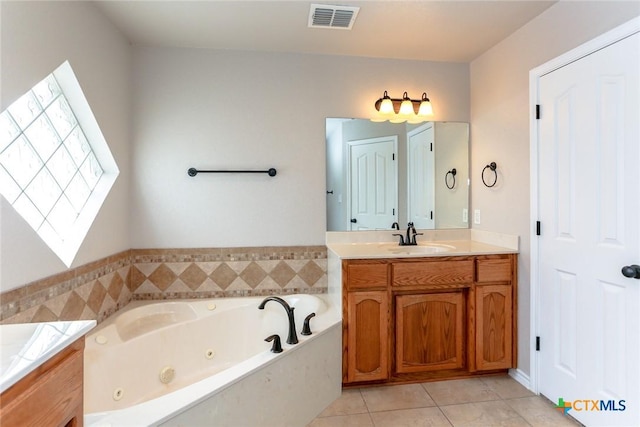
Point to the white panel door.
(589, 192)
(373, 183)
(421, 173)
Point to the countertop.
(358, 245)
(426, 249)
(25, 346)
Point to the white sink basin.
(427, 248)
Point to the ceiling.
(430, 30)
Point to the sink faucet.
(292, 338)
(407, 240)
(395, 226)
(410, 239)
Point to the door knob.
(631, 271)
(353, 220)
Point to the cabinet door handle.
(353, 220)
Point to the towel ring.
(453, 173)
(491, 166)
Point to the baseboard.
(521, 377)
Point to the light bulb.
(425, 106)
(386, 106)
(406, 108)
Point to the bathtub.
(205, 362)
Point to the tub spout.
(292, 338)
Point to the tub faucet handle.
(276, 347)
(306, 329)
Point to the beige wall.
(500, 122)
(36, 37)
(240, 110)
(452, 151)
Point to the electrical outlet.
(465, 215)
(476, 216)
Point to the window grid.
(48, 169)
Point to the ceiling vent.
(337, 17)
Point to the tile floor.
(483, 402)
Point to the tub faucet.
(292, 338)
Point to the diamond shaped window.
(56, 169)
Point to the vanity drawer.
(493, 270)
(366, 275)
(432, 272)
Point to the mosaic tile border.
(229, 254)
(241, 271)
(98, 289)
(91, 291)
(228, 294)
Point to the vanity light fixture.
(405, 109)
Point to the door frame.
(621, 32)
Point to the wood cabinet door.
(368, 336)
(429, 332)
(494, 323)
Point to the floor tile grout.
(488, 390)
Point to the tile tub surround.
(98, 289)
(92, 291)
(228, 272)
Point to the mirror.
(380, 174)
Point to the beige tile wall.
(99, 289)
(92, 291)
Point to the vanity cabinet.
(494, 314)
(366, 331)
(412, 319)
(429, 332)
(368, 338)
(51, 395)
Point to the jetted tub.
(205, 362)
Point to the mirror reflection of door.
(373, 176)
(421, 176)
(450, 150)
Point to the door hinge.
(537, 343)
(537, 111)
(537, 228)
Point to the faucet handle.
(306, 329)
(277, 347)
(413, 242)
(401, 238)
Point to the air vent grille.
(337, 17)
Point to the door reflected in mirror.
(382, 174)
